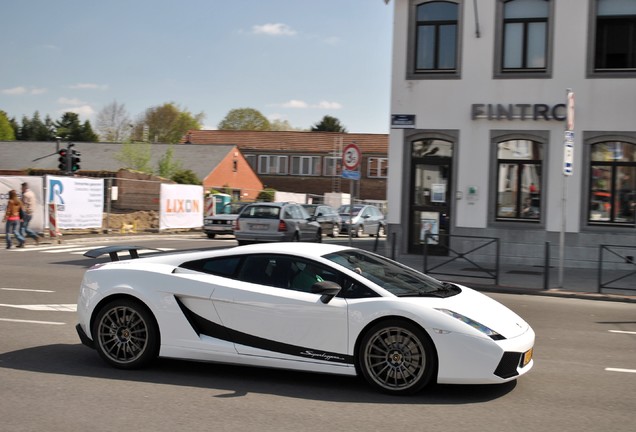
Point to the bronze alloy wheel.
(397, 357)
(126, 334)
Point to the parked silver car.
(275, 222)
(223, 222)
(363, 219)
(326, 216)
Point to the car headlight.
(474, 324)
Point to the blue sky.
(294, 60)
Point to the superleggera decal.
(206, 327)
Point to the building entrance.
(430, 211)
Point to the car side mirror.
(327, 289)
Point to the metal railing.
(628, 260)
(487, 241)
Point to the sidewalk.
(518, 279)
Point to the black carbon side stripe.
(206, 327)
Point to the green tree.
(244, 119)
(167, 166)
(69, 128)
(6, 131)
(328, 124)
(185, 177)
(282, 125)
(167, 123)
(135, 156)
(266, 195)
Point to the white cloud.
(277, 29)
(20, 90)
(329, 105)
(69, 101)
(298, 104)
(88, 86)
(84, 111)
(295, 104)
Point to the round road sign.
(351, 157)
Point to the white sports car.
(311, 307)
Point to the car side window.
(223, 266)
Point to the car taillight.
(282, 226)
(236, 225)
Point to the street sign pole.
(351, 158)
(568, 162)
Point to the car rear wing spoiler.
(113, 251)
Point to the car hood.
(484, 310)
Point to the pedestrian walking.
(29, 204)
(12, 219)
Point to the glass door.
(430, 197)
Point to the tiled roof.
(22, 155)
(291, 141)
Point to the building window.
(435, 39)
(524, 44)
(612, 183)
(251, 159)
(333, 166)
(305, 165)
(273, 165)
(519, 180)
(378, 167)
(614, 39)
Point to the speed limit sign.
(351, 157)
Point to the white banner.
(35, 185)
(80, 201)
(181, 206)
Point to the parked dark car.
(275, 222)
(223, 222)
(363, 219)
(326, 216)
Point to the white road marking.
(620, 370)
(623, 332)
(45, 307)
(140, 252)
(32, 322)
(28, 290)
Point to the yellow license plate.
(527, 356)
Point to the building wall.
(235, 173)
(445, 105)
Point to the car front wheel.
(397, 357)
(126, 334)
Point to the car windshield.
(310, 209)
(233, 208)
(399, 280)
(260, 212)
(344, 210)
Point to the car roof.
(307, 250)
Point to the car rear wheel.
(318, 236)
(335, 231)
(359, 231)
(126, 334)
(211, 235)
(397, 357)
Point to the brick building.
(306, 162)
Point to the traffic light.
(63, 159)
(75, 160)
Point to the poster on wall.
(429, 224)
(181, 206)
(35, 185)
(438, 192)
(80, 201)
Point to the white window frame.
(272, 164)
(332, 166)
(305, 165)
(381, 163)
